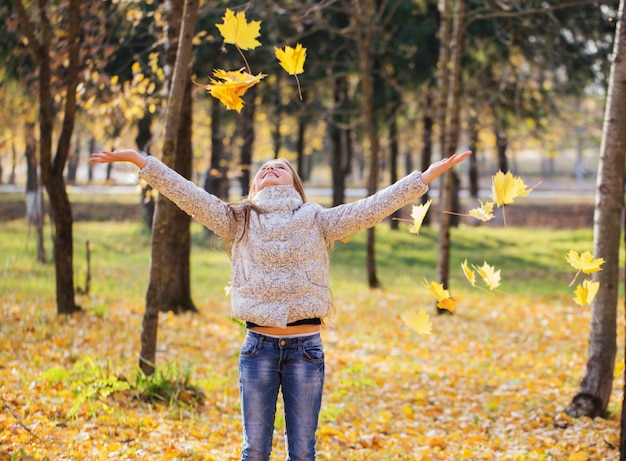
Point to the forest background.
(388, 87)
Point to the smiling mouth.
(270, 173)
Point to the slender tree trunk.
(277, 116)
(248, 135)
(394, 152)
(365, 16)
(340, 157)
(301, 158)
(473, 160)
(450, 136)
(595, 388)
(52, 168)
(147, 361)
(216, 179)
(143, 141)
(427, 140)
(73, 161)
(501, 145)
(59, 201)
(34, 191)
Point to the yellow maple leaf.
(490, 275)
(585, 292)
(484, 212)
(506, 188)
(470, 275)
(237, 31)
(292, 59)
(583, 262)
(418, 213)
(442, 295)
(419, 322)
(230, 86)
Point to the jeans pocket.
(314, 353)
(248, 348)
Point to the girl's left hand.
(443, 165)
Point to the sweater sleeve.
(348, 218)
(205, 208)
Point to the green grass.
(532, 261)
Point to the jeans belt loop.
(260, 342)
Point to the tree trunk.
(52, 169)
(143, 141)
(594, 392)
(473, 160)
(277, 116)
(340, 154)
(450, 143)
(394, 152)
(147, 360)
(365, 17)
(59, 201)
(501, 145)
(248, 135)
(34, 192)
(427, 139)
(176, 276)
(216, 179)
(73, 161)
(301, 165)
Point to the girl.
(278, 242)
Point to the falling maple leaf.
(442, 295)
(585, 292)
(418, 213)
(490, 275)
(506, 188)
(583, 263)
(292, 60)
(236, 30)
(419, 322)
(484, 212)
(230, 86)
(470, 275)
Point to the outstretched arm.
(126, 155)
(443, 165)
(345, 219)
(205, 208)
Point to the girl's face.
(273, 173)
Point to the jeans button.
(283, 342)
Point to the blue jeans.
(295, 366)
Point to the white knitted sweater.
(279, 271)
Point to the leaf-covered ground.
(489, 383)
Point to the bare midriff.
(288, 331)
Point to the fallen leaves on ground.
(489, 383)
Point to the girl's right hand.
(125, 155)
